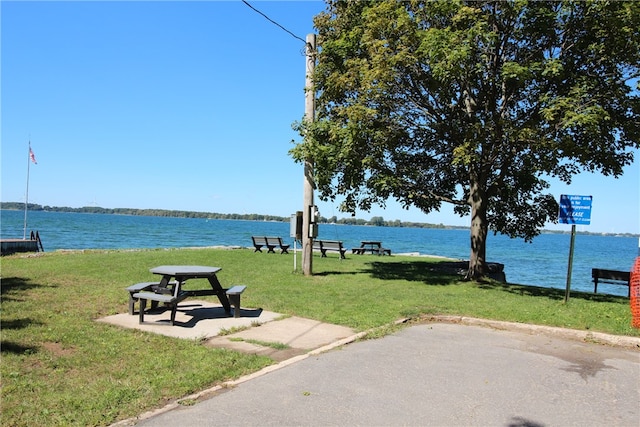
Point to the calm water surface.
(543, 262)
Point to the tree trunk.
(479, 227)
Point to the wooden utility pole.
(307, 203)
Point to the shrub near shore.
(60, 367)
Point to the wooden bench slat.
(141, 286)
(163, 298)
(238, 289)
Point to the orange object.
(635, 294)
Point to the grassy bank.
(60, 367)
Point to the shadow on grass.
(19, 323)
(11, 347)
(446, 273)
(15, 285)
(10, 291)
(431, 273)
(331, 273)
(551, 293)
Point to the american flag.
(32, 156)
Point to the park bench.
(613, 277)
(259, 242)
(273, 242)
(329, 245)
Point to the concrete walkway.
(206, 321)
(433, 374)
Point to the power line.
(274, 22)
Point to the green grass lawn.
(60, 367)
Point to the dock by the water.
(11, 246)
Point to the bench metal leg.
(143, 304)
(132, 302)
(234, 299)
(174, 309)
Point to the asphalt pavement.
(433, 374)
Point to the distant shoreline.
(375, 221)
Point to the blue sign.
(575, 210)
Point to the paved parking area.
(436, 374)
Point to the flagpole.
(26, 196)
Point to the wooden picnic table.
(370, 245)
(375, 247)
(169, 290)
(182, 273)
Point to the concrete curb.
(573, 334)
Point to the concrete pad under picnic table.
(194, 320)
(260, 331)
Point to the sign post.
(295, 231)
(573, 210)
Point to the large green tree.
(474, 103)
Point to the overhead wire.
(274, 22)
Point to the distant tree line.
(140, 212)
(377, 221)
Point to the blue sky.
(183, 106)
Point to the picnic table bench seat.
(140, 287)
(169, 300)
(329, 245)
(234, 294)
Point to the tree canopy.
(474, 103)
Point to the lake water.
(542, 263)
